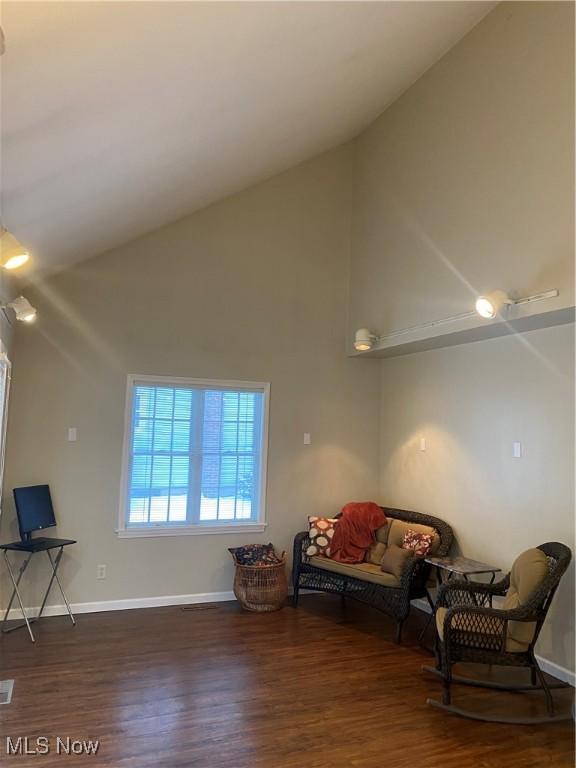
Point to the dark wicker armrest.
(411, 571)
(458, 592)
(301, 541)
(480, 627)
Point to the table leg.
(15, 583)
(41, 611)
(55, 563)
(430, 618)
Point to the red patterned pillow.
(419, 543)
(320, 535)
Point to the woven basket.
(261, 588)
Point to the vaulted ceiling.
(119, 117)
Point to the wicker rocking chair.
(471, 630)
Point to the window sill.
(189, 530)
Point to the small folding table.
(30, 548)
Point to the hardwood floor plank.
(313, 687)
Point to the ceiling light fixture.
(12, 253)
(22, 308)
(493, 304)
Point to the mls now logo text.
(43, 745)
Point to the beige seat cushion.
(528, 572)
(398, 528)
(363, 571)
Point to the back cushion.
(528, 572)
(398, 528)
(382, 533)
(375, 554)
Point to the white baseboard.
(131, 603)
(561, 673)
(128, 604)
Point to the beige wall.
(251, 288)
(466, 183)
(470, 404)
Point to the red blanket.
(354, 533)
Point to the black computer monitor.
(34, 509)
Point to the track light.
(364, 340)
(492, 304)
(489, 306)
(22, 308)
(13, 254)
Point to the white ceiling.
(119, 117)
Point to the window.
(194, 456)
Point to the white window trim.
(4, 417)
(161, 529)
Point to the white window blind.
(195, 454)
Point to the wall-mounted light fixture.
(492, 304)
(488, 306)
(12, 253)
(22, 308)
(364, 340)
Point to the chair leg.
(533, 676)
(446, 681)
(398, 638)
(437, 652)
(544, 684)
(295, 595)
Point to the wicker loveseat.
(365, 581)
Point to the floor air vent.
(198, 607)
(6, 688)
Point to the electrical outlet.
(100, 571)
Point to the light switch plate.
(516, 450)
(307, 438)
(72, 434)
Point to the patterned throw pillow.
(320, 535)
(419, 543)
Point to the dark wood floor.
(316, 687)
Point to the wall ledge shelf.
(463, 331)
